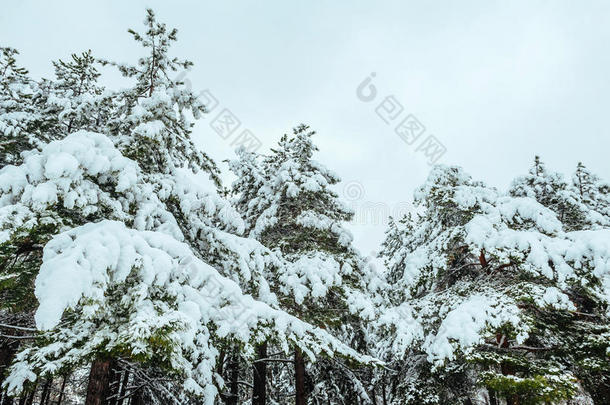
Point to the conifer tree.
(152, 123)
(594, 194)
(74, 100)
(18, 118)
(289, 206)
(553, 191)
(490, 291)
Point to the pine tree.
(17, 117)
(594, 194)
(489, 290)
(552, 190)
(289, 206)
(151, 124)
(74, 100)
(26, 124)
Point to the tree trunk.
(30, 398)
(383, 396)
(62, 390)
(492, 397)
(259, 385)
(44, 397)
(5, 399)
(234, 386)
(138, 397)
(7, 354)
(116, 376)
(100, 378)
(299, 381)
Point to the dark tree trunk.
(100, 379)
(30, 398)
(299, 380)
(492, 397)
(6, 400)
(115, 383)
(62, 390)
(220, 362)
(44, 397)
(234, 385)
(7, 354)
(259, 385)
(138, 397)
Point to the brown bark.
(259, 384)
(299, 381)
(482, 259)
(100, 378)
(220, 362)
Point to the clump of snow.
(461, 327)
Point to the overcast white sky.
(495, 82)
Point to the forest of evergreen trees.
(126, 279)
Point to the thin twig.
(4, 325)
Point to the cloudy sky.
(494, 82)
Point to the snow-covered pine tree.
(152, 122)
(74, 100)
(18, 118)
(250, 179)
(47, 110)
(553, 191)
(493, 300)
(152, 125)
(585, 182)
(34, 112)
(289, 206)
(594, 193)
